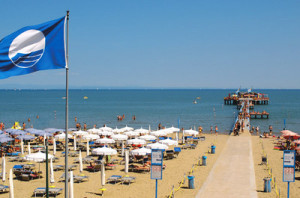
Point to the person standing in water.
(216, 130)
(211, 129)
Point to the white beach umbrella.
(132, 134)
(158, 133)
(125, 129)
(167, 131)
(119, 137)
(3, 169)
(173, 129)
(80, 161)
(90, 137)
(116, 130)
(157, 146)
(62, 136)
(80, 133)
(105, 133)
(141, 151)
(38, 157)
(191, 132)
(105, 128)
(104, 151)
(71, 185)
(54, 146)
(51, 172)
(11, 184)
(87, 148)
(147, 137)
(136, 141)
(169, 142)
(142, 131)
(93, 130)
(104, 141)
(28, 148)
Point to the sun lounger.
(3, 188)
(80, 178)
(94, 168)
(177, 150)
(142, 169)
(52, 191)
(170, 154)
(58, 167)
(114, 178)
(110, 166)
(13, 154)
(127, 180)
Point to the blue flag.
(33, 48)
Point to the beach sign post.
(288, 168)
(156, 166)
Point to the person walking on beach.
(95, 126)
(200, 129)
(133, 117)
(75, 119)
(211, 129)
(24, 125)
(216, 130)
(257, 130)
(159, 126)
(28, 119)
(84, 127)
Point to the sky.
(167, 43)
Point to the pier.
(255, 98)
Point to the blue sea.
(151, 107)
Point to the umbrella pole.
(47, 183)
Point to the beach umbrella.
(285, 131)
(87, 148)
(142, 131)
(105, 133)
(169, 142)
(6, 139)
(3, 168)
(71, 185)
(191, 132)
(119, 137)
(54, 146)
(104, 151)
(173, 129)
(136, 141)
(17, 132)
(105, 128)
(126, 161)
(38, 157)
(28, 148)
(167, 131)
(51, 172)
(147, 137)
(62, 136)
(25, 137)
(80, 161)
(116, 130)
(157, 146)
(4, 136)
(158, 133)
(141, 151)
(53, 130)
(104, 141)
(80, 133)
(93, 130)
(11, 184)
(11, 130)
(30, 130)
(90, 137)
(132, 134)
(125, 129)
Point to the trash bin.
(213, 149)
(267, 184)
(191, 181)
(204, 160)
(263, 160)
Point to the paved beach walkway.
(233, 173)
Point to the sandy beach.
(144, 186)
(275, 163)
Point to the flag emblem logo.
(27, 48)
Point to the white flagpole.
(54, 146)
(67, 110)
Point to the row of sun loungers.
(42, 191)
(118, 178)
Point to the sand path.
(233, 174)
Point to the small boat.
(85, 97)
(63, 98)
(198, 98)
(195, 102)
